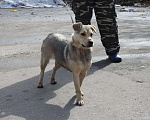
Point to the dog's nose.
(90, 43)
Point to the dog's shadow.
(24, 100)
(101, 64)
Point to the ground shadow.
(99, 65)
(24, 100)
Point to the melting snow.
(30, 3)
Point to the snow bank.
(30, 3)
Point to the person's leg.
(83, 10)
(106, 20)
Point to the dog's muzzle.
(90, 44)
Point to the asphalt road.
(113, 91)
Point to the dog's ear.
(93, 28)
(77, 26)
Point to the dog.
(74, 56)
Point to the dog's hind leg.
(44, 62)
(57, 66)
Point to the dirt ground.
(112, 91)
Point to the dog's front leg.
(76, 79)
(81, 77)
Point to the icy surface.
(30, 3)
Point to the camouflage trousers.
(105, 17)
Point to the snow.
(30, 3)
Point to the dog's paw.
(80, 103)
(40, 86)
(53, 82)
(82, 94)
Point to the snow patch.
(30, 3)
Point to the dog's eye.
(83, 34)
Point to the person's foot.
(115, 58)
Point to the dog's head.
(83, 35)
